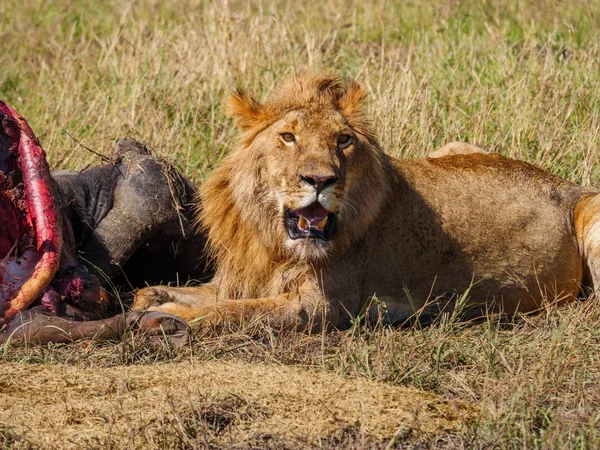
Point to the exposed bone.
(44, 216)
(15, 271)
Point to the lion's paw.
(151, 296)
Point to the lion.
(310, 224)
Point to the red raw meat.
(30, 224)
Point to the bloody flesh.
(30, 225)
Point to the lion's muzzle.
(314, 222)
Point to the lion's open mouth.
(314, 221)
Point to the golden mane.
(231, 208)
(304, 91)
(232, 241)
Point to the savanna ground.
(520, 78)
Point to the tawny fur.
(415, 234)
(455, 148)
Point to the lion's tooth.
(302, 223)
(322, 223)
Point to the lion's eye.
(344, 140)
(288, 138)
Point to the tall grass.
(521, 78)
(517, 77)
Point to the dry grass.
(531, 383)
(518, 77)
(214, 403)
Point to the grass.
(516, 77)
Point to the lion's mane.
(232, 210)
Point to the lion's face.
(306, 176)
(308, 155)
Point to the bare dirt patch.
(214, 403)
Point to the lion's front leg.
(201, 305)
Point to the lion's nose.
(319, 182)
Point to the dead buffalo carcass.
(65, 236)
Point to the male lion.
(308, 221)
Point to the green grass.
(517, 77)
(521, 78)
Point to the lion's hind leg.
(587, 227)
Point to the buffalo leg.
(37, 326)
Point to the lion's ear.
(246, 111)
(353, 98)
